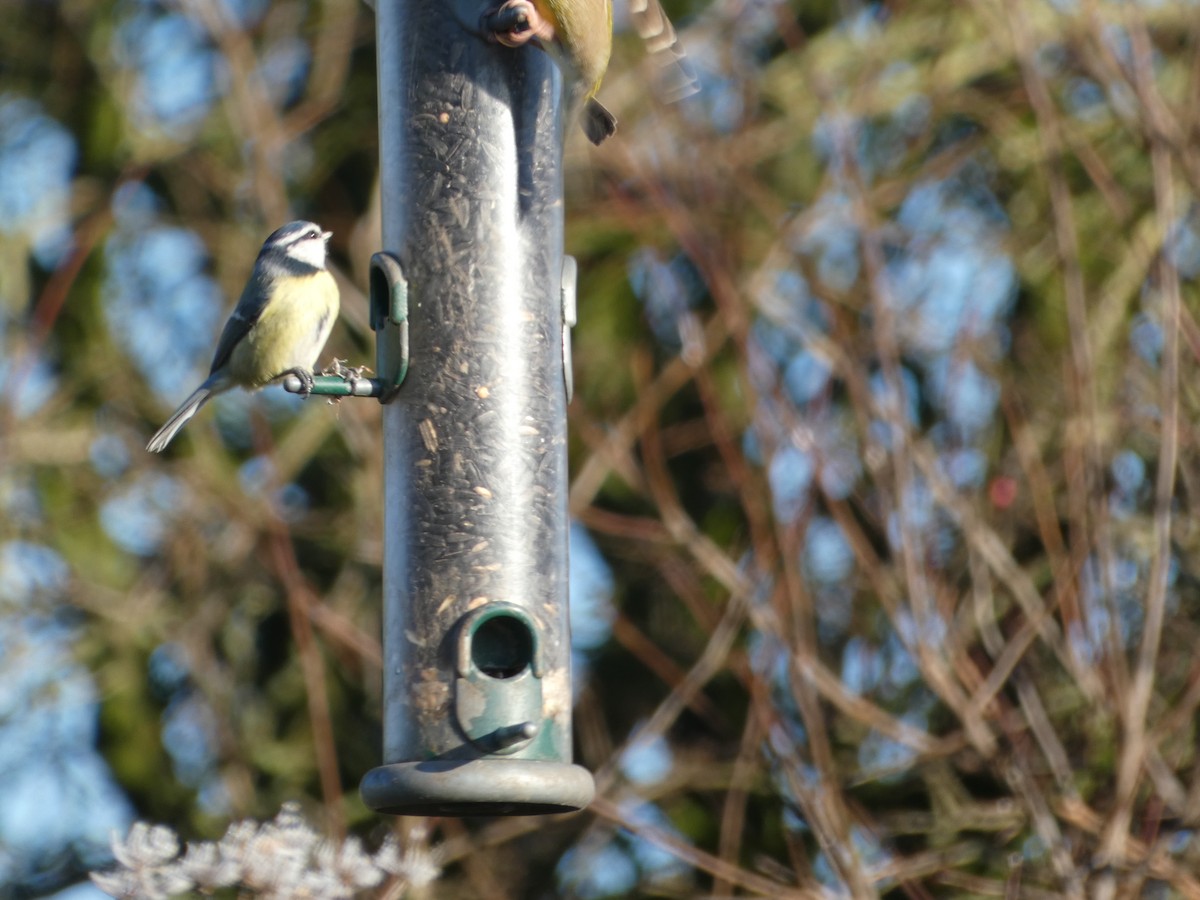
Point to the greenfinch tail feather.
(598, 122)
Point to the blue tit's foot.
(307, 382)
(515, 23)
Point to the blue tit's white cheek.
(291, 331)
(310, 251)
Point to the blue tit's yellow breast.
(290, 331)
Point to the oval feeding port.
(502, 647)
(380, 293)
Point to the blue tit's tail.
(179, 418)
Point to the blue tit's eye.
(312, 234)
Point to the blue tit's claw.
(307, 382)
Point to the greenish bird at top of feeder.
(577, 34)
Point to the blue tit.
(278, 327)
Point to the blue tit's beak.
(326, 235)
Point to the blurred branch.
(705, 862)
(1134, 748)
(251, 113)
(300, 599)
(1084, 483)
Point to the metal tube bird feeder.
(477, 717)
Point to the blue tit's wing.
(244, 316)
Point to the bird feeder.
(472, 300)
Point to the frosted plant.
(284, 859)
